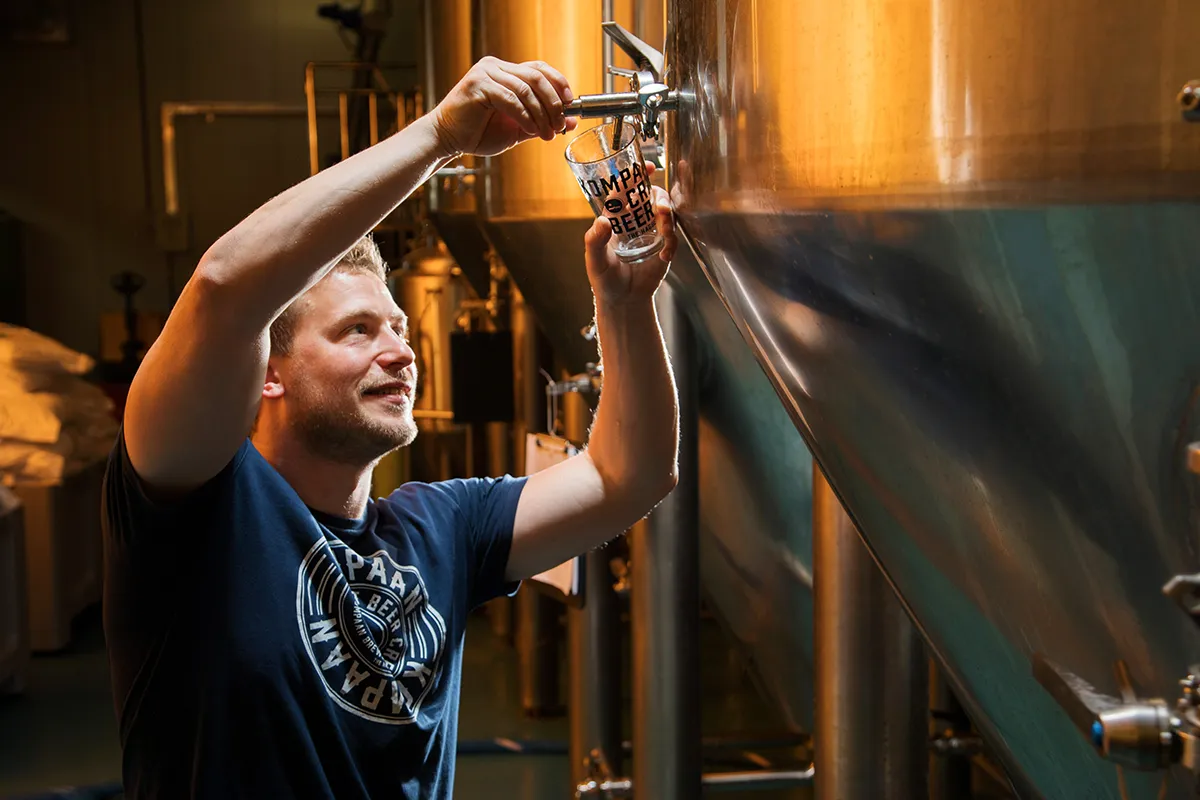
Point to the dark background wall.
(81, 169)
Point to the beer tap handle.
(645, 57)
(649, 97)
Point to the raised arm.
(196, 394)
(631, 460)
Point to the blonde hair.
(362, 257)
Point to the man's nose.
(397, 353)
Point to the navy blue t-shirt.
(261, 649)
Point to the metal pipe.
(500, 614)
(429, 79)
(171, 110)
(956, 747)
(429, 83)
(949, 725)
(373, 118)
(310, 100)
(593, 641)
(539, 635)
(311, 91)
(606, 46)
(665, 600)
(871, 728)
(595, 669)
(344, 123)
(170, 174)
(611, 104)
(230, 108)
(752, 780)
(361, 90)
(757, 780)
(499, 448)
(537, 653)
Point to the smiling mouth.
(391, 391)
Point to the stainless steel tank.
(755, 507)
(427, 287)
(531, 208)
(755, 474)
(447, 50)
(959, 239)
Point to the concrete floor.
(61, 731)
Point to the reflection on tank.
(755, 506)
(973, 286)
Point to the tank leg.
(537, 653)
(595, 672)
(871, 736)
(665, 604)
(594, 644)
(950, 773)
(498, 441)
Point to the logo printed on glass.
(370, 631)
(625, 195)
(613, 177)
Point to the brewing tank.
(755, 520)
(531, 208)
(430, 290)
(448, 46)
(755, 473)
(958, 238)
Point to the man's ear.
(273, 384)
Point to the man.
(273, 633)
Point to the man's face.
(349, 381)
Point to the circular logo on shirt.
(370, 631)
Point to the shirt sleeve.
(491, 511)
(130, 514)
(148, 566)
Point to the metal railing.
(399, 106)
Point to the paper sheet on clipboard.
(542, 451)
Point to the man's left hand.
(615, 281)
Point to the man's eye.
(359, 328)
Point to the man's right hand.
(498, 105)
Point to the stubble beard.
(352, 435)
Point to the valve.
(648, 97)
(1139, 735)
(1143, 734)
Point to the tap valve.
(648, 97)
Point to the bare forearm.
(634, 441)
(291, 241)
(630, 462)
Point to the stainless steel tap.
(648, 98)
